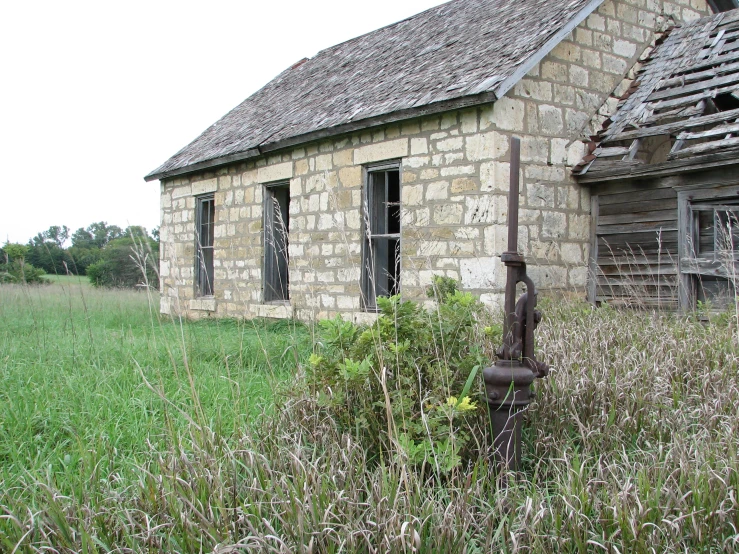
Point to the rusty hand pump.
(508, 381)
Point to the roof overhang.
(359, 125)
(634, 171)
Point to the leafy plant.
(403, 386)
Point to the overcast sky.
(95, 95)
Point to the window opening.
(381, 252)
(716, 230)
(205, 217)
(276, 242)
(714, 250)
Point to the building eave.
(320, 134)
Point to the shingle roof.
(462, 53)
(688, 93)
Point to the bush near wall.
(405, 386)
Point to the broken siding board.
(612, 151)
(704, 147)
(677, 126)
(688, 89)
(716, 131)
(715, 62)
(680, 113)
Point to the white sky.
(94, 95)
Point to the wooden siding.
(636, 245)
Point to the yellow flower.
(466, 406)
(463, 405)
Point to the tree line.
(108, 255)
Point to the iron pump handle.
(508, 381)
(521, 317)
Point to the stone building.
(384, 160)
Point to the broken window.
(713, 250)
(381, 247)
(204, 219)
(276, 225)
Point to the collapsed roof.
(462, 53)
(682, 112)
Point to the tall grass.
(94, 375)
(630, 447)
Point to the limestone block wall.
(455, 171)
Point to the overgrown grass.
(631, 446)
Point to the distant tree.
(54, 234)
(46, 251)
(129, 261)
(13, 266)
(87, 243)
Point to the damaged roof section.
(462, 53)
(681, 114)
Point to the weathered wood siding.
(635, 238)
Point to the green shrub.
(13, 266)
(122, 261)
(406, 386)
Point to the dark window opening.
(715, 229)
(712, 246)
(204, 223)
(726, 102)
(381, 248)
(276, 242)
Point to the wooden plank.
(615, 272)
(669, 168)
(713, 71)
(593, 258)
(603, 164)
(631, 217)
(682, 113)
(612, 151)
(692, 99)
(666, 303)
(637, 196)
(637, 280)
(676, 126)
(656, 226)
(703, 64)
(636, 207)
(637, 260)
(704, 147)
(629, 185)
(715, 132)
(641, 243)
(695, 87)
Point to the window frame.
(273, 291)
(368, 281)
(204, 275)
(694, 265)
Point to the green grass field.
(123, 431)
(96, 376)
